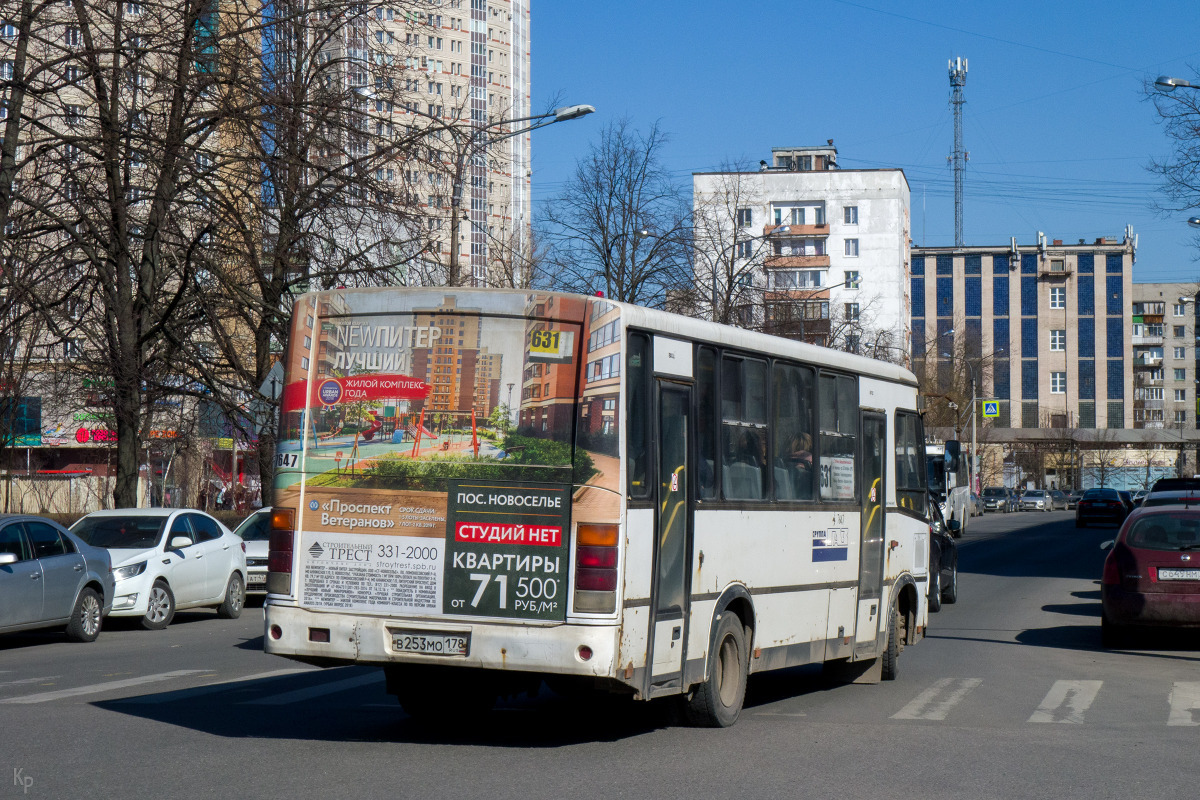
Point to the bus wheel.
(892, 654)
(935, 587)
(717, 702)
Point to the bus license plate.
(433, 644)
(1179, 574)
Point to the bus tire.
(949, 593)
(935, 587)
(717, 702)
(891, 656)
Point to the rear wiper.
(1190, 546)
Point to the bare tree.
(594, 228)
(309, 185)
(728, 259)
(1179, 115)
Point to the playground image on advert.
(408, 401)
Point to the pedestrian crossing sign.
(991, 408)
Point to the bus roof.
(670, 324)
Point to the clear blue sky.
(1058, 131)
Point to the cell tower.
(958, 79)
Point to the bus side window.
(910, 466)
(637, 416)
(705, 427)
(743, 428)
(793, 429)
(839, 437)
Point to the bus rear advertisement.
(530, 486)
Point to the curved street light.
(1165, 83)
(478, 139)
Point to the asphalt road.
(1009, 696)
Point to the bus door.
(672, 540)
(870, 565)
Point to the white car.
(166, 559)
(255, 531)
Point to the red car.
(1152, 575)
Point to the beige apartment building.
(467, 66)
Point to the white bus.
(480, 490)
(949, 482)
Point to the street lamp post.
(476, 142)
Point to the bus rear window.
(411, 400)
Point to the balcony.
(1147, 361)
(821, 229)
(1142, 379)
(1147, 340)
(796, 262)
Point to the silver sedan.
(49, 577)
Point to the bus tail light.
(281, 548)
(596, 568)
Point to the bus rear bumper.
(337, 639)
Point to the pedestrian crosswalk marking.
(317, 691)
(96, 688)
(1184, 700)
(1067, 701)
(935, 702)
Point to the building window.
(745, 249)
(1058, 340)
(851, 311)
(850, 215)
(1178, 331)
(1179, 309)
(745, 217)
(852, 247)
(1179, 352)
(852, 279)
(1180, 374)
(74, 37)
(1058, 382)
(1058, 297)
(1181, 395)
(1180, 417)
(304, 363)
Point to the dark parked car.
(1073, 498)
(50, 577)
(1152, 575)
(1100, 505)
(1127, 499)
(1173, 491)
(1057, 500)
(943, 559)
(998, 498)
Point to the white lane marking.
(1067, 701)
(316, 691)
(209, 688)
(29, 680)
(96, 688)
(780, 714)
(931, 704)
(1184, 700)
